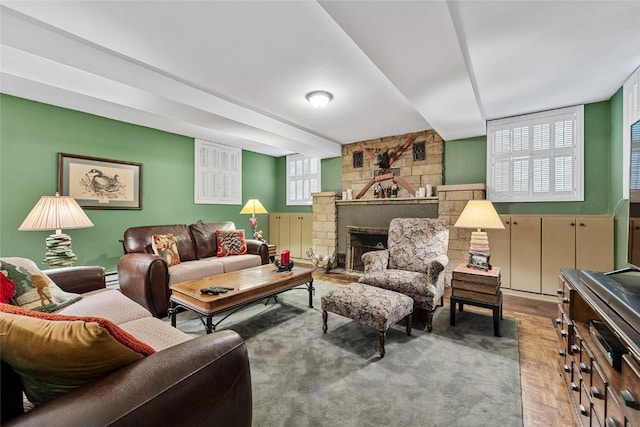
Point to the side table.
(480, 288)
(272, 252)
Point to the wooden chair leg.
(324, 321)
(382, 336)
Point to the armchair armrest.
(78, 279)
(145, 279)
(375, 260)
(258, 247)
(204, 381)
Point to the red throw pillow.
(7, 289)
(231, 242)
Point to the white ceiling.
(236, 72)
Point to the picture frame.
(97, 183)
(479, 260)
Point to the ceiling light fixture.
(319, 98)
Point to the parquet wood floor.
(545, 399)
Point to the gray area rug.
(454, 376)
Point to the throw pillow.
(34, 289)
(165, 247)
(54, 354)
(231, 242)
(7, 289)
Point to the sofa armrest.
(375, 260)
(144, 278)
(258, 247)
(78, 279)
(204, 381)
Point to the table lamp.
(479, 214)
(55, 213)
(253, 207)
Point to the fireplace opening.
(361, 240)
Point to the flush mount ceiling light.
(319, 98)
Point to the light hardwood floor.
(545, 399)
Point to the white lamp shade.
(55, 213)
(479, 214)
(253, 206)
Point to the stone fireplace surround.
(328, 209)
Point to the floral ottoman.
(375, 307)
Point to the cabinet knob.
(559, 291)
(566, 300)
(582, 224)
(584, 367)
(507, 222)
(515, 222)
(566, 368)
(558, 321)
(575, 386)
(629, 398)
(563, 332)
(575, 348)
(595, 392)
(573, 224)
(561, 352)
(583, 410)
(611, 422)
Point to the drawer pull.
(584, 367)
(561, 352)
(566, 368)
(559, 291)
(575, 387)
(558, 321)
(575, 348)
(583, 410)
(596, 393)
(564, 332)
(629, 399)
(611, 422)
(566, 300)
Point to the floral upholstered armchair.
(414, 262)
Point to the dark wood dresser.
(602, 373)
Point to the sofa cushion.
(231, 242)
(240, 262)
(194, 270)
(204, 236)
(107, 303)
(164, 246)
(154, 332)
(34, 289)
(54, 354)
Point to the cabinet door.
(279, 230)
(634, 240)
(500, 247)
(525, 253)
(558, 250)
(594, 243)
(300, 234)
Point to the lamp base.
(59, 252)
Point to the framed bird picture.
(99, 183)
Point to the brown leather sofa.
(145, 278)
(201, 381)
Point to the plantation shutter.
(218, 174)
(303, 179)
(537, 157)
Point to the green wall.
(618, 206)
(31, 136)
(465, 161)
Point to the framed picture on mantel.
(98, 183)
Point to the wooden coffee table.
(249, 285)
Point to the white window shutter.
(218, 173)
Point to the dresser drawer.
(630, 390)
(613, 411)
(585, 406)
(598, 391)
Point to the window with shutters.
(218, 173)
(537, 157)
(303, 179)
(630, 114)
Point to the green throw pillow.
(34, 289)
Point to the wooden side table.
(480, 288)
(272, 252)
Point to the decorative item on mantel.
(324, 263)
